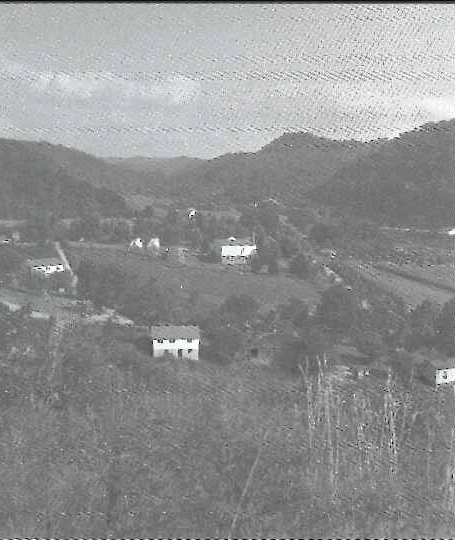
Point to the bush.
(299, 266)
(272, 267)
(338, 309)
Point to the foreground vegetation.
(134, 448)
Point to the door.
(180, 353)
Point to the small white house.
(180, 341)
(153, 244)
(192, 213)
(46, 266)
(5, 239)
(137, 243)
(438, 371)
(235, 251)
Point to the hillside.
(406, 180)
(45, 176)
(157, 166)
(286, 168)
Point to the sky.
(204, 79)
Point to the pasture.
(413, 292)
(211, 281)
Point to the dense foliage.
(43, 176)
(407, 180)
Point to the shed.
(437, 371)
(153, 244)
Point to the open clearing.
(211, 281)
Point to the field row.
(412, 292)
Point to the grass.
(440, 276)
(212, 282)
(368, 434)
(413, 292)
(38, 251)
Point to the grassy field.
(441, 276)
(413, 292)
(212, 282)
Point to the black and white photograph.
(227, 270)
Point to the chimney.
(254, 238)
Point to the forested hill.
(42, 175)
(286, 168)
(157, 166)
(406, 180)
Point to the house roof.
(168, 331)
(44, 261)
(219, 242)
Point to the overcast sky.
(205, 79)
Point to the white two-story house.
(46, 266)
(180, 341)
(234, 251)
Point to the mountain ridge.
(404, 179)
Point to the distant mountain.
(42, 175)
(164, 166)
(405, 180)
(286, 168)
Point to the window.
(190, 351)
(172, 340)
(444, 374)
(160, 340)
(189, 340)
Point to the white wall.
(49, 269)
(237, 251)
(450, 372)
(154, 243)
(160, 348)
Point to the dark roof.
(168, 331)
(44, 261)
(217, 243)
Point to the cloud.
(66, 84)
(173, 90)
(437, 108)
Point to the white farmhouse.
(438, 371)
(180, 341)
(234, 251)
(46, 266)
